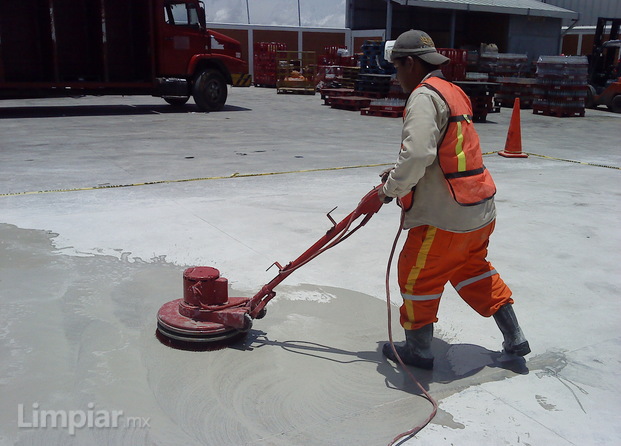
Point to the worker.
(447, 196)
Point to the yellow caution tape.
(186, 180)
(574, 161)
(564, 160)
(247, 175)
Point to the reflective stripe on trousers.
(432, 257)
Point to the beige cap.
(417, 43)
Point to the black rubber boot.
(417, 348)
(515, 343)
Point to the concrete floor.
(105, 201)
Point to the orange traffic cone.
(513, 146)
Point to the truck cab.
(161, 48)
(192, 59)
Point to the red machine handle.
(369, 205)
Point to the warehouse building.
(518, 26)
(526, 27)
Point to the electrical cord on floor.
(433, 402)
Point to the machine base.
(174, 327)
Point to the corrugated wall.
(534, 36)
(311, 39)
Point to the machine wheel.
(589, 102)
(615, 104)
(210, 90)
(176, 100)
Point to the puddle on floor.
(77, 333)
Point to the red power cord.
(433, 402)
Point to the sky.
(312, 13)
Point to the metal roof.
(517, 7)
(591, 10)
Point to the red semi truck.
(51, 48)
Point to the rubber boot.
(515, 343)
(417, 348)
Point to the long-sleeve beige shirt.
(424, 125)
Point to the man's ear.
(409, 62)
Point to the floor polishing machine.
(206, 315)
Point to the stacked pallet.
(562, 85)
(296, 72)
(336, 76)
(386, 108)
(265, 63)
(515, 87)
(352, 103)
(372, 60)
(335, 67)
(328, 93)
(373, 85)
(456, 70)
(350, 75)
(503, 65)
(336, 56)
(481, 96)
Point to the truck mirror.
(201, 15)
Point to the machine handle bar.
(369, 205)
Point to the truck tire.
(210, 91)
(615, 103)
(176, 100)
(590, 97)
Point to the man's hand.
(383, 197)
(380, 193)
(385, 173)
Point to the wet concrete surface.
(84, 268)
(310, 372)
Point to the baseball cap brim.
(435, 58)
(432, 57)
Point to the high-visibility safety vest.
(459, 153)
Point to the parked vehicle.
(605, 67)
(51, 48)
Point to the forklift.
(605, 67)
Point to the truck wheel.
(176, 100)
(590, 97)
(615, 104)
(210, 91)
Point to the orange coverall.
(432, 257)
(446, 242)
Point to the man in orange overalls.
(448, 198)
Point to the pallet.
(296, 90)
(353, 103)
(507, 103)
(558, 112)
(372, 94)
(331, 92)
(384, 113)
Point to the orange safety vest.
(459, 153)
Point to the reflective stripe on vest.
(459, 153)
